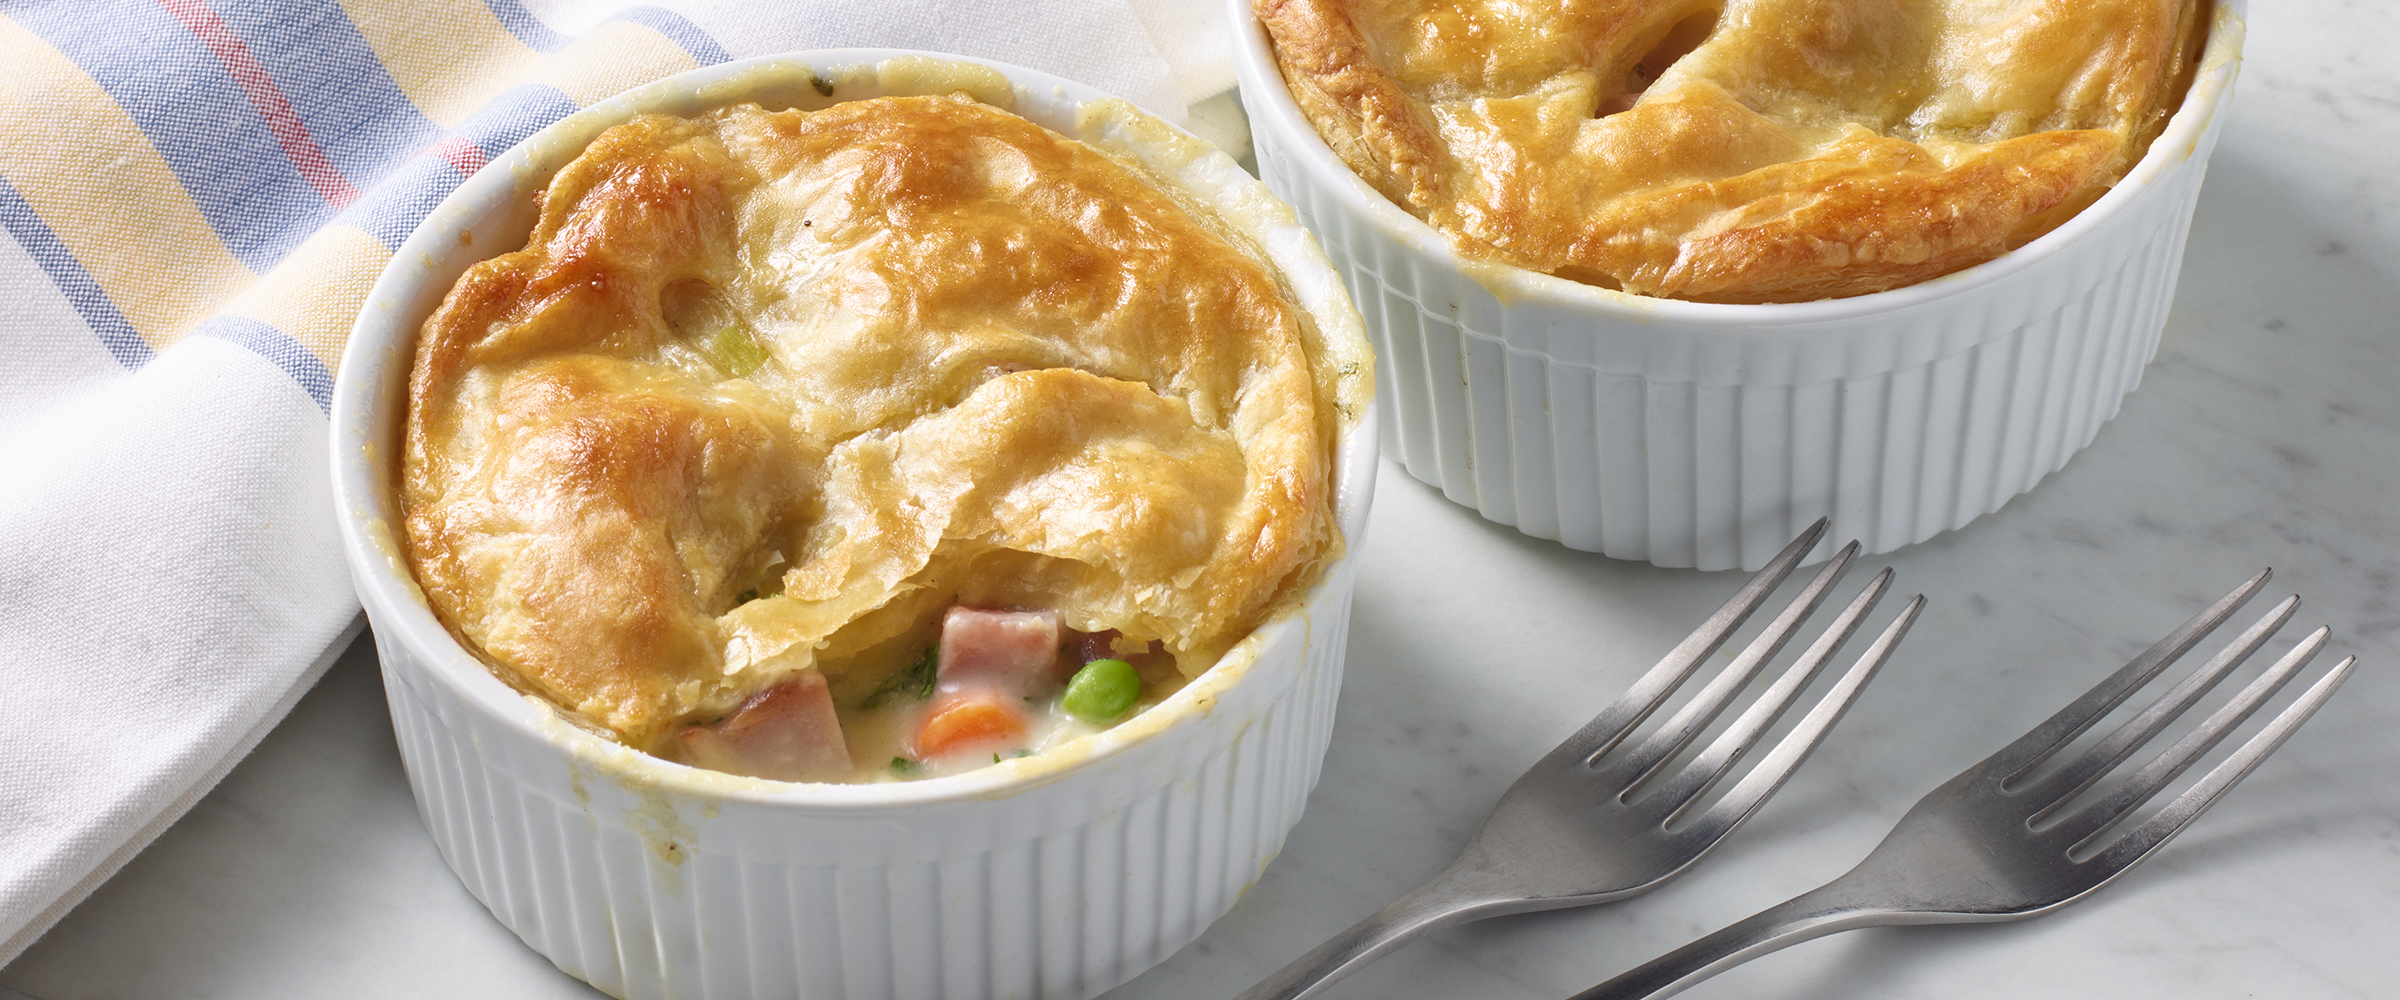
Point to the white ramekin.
(1706, 435)
(1058, 875)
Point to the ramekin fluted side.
(1065, 890)
(1697, 435)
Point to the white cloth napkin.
(194, 198)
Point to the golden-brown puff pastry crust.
(1739, 151)
(991, 365)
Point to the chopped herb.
(737, 351)
(914, 680)
(903, 765)
(995, 758)
(747, 596)
(823, 85)
(1022, 752)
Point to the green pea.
(1102, 691)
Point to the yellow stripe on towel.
(314, 294)
(610, 59)
(144, 243)
(449, 57)
(453, 57)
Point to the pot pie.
(1743, 151)
(884, 440)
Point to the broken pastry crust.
(1738, 150)
(769, 388)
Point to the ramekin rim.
(385, 585)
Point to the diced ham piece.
(787, 732)
(990, 665)
(1010, 652)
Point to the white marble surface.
(2267, 433)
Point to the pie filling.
(996, 684)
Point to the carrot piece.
(970, 722)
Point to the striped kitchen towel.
(195, 196)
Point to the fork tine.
(1779, 763)
(2155, 831)
(1661, 746)
(1613, 723)
(2172, 762)
(2080, 774)
(1710, 764)
(2036, 746)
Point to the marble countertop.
(2266, 433)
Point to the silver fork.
(1990, 845)
(1585, 825)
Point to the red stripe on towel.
(458, 152)
(298, 145)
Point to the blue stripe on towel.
(98, 311)
(517, 112)
(279, 349)
(703, 49)
(391, 209)
(345, 98)
(192, 110)
(540, 37)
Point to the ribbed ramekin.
(1058, 875)
(1706, 435)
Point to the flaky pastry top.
(768, 388)
(1738, 151)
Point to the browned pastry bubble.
(1759, 151)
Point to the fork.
(1991, 844)
(1585, 825)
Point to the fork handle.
(1440, 903)
(1815, 913)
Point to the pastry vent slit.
(1679, 41)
